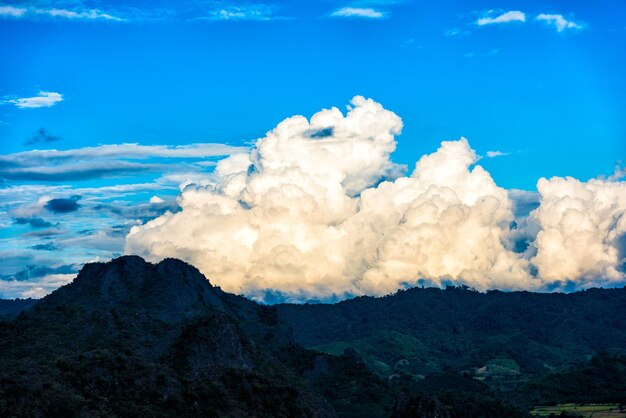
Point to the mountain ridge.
(463, 328)
(129, 338)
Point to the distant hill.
(498, 337)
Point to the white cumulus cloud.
(306, 213)
(317, 209)
(583, 230)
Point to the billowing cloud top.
(317, 209)
(583, 230)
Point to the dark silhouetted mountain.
(128, 338)
(10, 307)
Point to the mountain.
(128, 338)
(498, 337)
(11, 307)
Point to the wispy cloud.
(482, 55)
(43, 99)
(498, 18)
(83, 170)
(142, 212)
(558, 21)
(47, 246)
(11, 11)
(185, 10)
(34, 222)
(21, 194)
(127, 151)
(103, 161)
(507, 17)
(91, 221)
(619, 173)
(90, 14)
(359, 12)
(25, 10)
(257, 12)
(493, 154)
(456, 31)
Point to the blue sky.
(540, 82)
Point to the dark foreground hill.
(129, 338)
(12, 307)
(132, 339)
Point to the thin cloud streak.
(511, 16)
(126, 151)
(79, 171)
(494, 154)
(105, 161)
(358, 12)
(253, 12)
(24, 10)
(91, 14)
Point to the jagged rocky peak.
(170, 289)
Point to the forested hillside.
(128, 338)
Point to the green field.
(593, 410)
